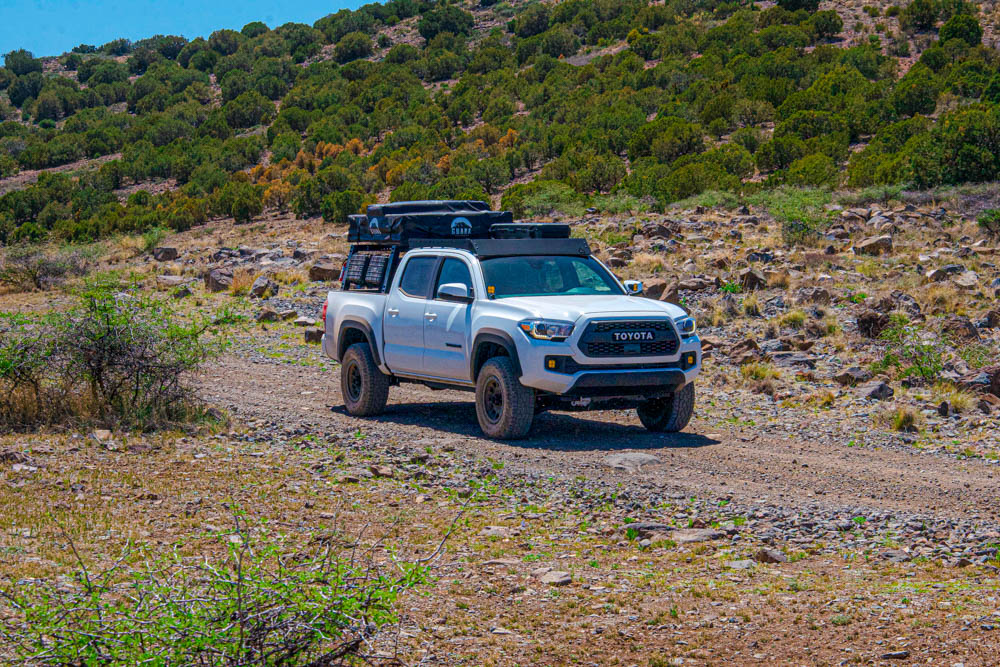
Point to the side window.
(417, 276)
(454, 271)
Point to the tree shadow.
(559, 431)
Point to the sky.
(51, 27)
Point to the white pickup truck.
(520, 314)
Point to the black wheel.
(364, 386)
(671, 413)
(504, 406)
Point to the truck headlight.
(547, 329)
(686, 326)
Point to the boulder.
(985, 380)
(692, 535)
(871, 323)
(751, 279)
(876, 390)
(324, 271)
(769, 555)
(268, 315)
(875, 245)
(304, 321)
(967, 280)
(852, 376)
(166, 282)
(630, 461)
(960, 328)
(165, 254)
(313, 335)
(219, 280)
(556, 578)
(263, 287)
(814, 295)
(654, 288)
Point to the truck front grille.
(600, 340)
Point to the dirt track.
(733, 463)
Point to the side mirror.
(454, 292)
(633, 287)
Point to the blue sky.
(50, 27)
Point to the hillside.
(546, 107)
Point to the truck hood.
(571, 308)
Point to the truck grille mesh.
(598, 339)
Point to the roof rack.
(485, 248)
(388, 230)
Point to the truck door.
(403, 322)
(446, 326)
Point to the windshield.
(546, 276)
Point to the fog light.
(552, 363)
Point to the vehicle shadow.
(561, 431)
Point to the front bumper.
(626, 376)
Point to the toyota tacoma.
(450, 294)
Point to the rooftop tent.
(431, 206)
(400, 228)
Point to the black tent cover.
(398, 223)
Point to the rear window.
(417, 276)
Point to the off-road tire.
(504, 406)
(365, 388)
(671, 413)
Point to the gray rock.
(692, 535)
(314, 336)
(263, 287)
(325, 271)
(268, 315)
(876, 391)
(769, 555)
(556, 578)
(875, 245)
(165, 254)
(171, 281)
(304, 321)
(745, 564)
(219, 280)
(852, 376)
(630, 461)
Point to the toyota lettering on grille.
(632, 336)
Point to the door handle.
(431, 316)
(393, 312)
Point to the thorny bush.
(261, 602)
(118, 358)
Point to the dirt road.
(733, 462)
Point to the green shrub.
(989, 220)
(352, 46)
(919, 15)
(118, 358)
(542, 198)
(963, 27)
(27, 268)
(21, 62)
(337, 206)
(254, 599)
(814, 170)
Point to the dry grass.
(646, 264)
(900, 418)
(793, 319)
(751, 306)
(242, 282)
(757, 371)
(959, 399)
(291, 277)
(779, 279)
